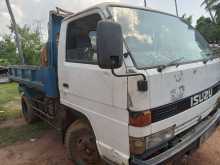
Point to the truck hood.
(180, 96)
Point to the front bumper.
(188, 142)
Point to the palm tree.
(188, 19)
(210, 6)
(216, 8)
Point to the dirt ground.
(49, 150)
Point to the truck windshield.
(156, 39)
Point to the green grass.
(9, 102)
(10, 109)
(8, 92)
(11, 135)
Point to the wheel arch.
(72, 115)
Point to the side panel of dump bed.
(43, 79)
(40, 78)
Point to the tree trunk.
(212, 16)
(210, 11)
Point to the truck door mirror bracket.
(141, 84)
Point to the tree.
(209, 30)
(211, 5)
(188, 19)
(8, 51)
(216, 8)
(31, 45)
(208, 7)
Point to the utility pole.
(145, 3)
(14, 27)
(177, 13)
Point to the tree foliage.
(8, 51)
(213, 6)
(31, 45)
(188, 19)
(210, 27)
(216, 8)
(210, 30)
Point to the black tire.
(81, 146)
(27, 110)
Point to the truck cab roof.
(105, 5)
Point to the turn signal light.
(140, 119)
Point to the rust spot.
(177, 93)
(194, 71)
(179, 76)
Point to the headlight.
(140, 145)
(159, 138)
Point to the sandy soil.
(49, 150)
(13, 123)
(209, 152)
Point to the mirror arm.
(129, 75)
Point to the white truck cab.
(137, 118)
(130, 85)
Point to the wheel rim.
(85, 148)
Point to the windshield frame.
(160, 12)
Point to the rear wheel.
(81, 144)
(27, 110)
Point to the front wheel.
(81, 146)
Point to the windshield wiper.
(213, 55)
(174, 62)
(210, 58)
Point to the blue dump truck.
(124, 84)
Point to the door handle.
(65, 85)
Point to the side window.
(81, 40)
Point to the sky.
(31, 12)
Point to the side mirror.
(109, 45)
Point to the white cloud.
(30, 11)
(17, 11)
(131, 22)
(5, 15)
(37, 1)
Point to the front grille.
(167, 111)
(172, 109)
